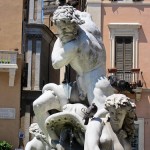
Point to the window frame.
(121, 52)
(124, 29)
(140, 123)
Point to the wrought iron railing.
(131, 76)
(124, 75)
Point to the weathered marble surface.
(114, 131)
(79, 45)
(66, 129)
(39, 142)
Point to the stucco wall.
(143, 111)
(10, 39)
(129, 14)
(10, 98)
(11, 24)
(125, 12)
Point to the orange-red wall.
(124, 13)
(129, 14)
(11, 24)
(10, 39)
(10, 98)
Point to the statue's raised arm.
(79, 44)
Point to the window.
(138, 141)
(124, 48)
(135, 140)
(124, 56)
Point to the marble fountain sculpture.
(82, 104)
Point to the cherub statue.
(39, 142)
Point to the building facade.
(125, 30)
(25, 67)
(27, 35)
(10, 69)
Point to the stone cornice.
(39, 30)
(94, 1)
(146, 90)
(124, 25)
(125, 3)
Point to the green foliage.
(5, 145)
(4, 61)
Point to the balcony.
(8, 63)
(131, 76)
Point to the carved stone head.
(122, 112)
(66, 20)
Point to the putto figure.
(114, 131)
(39, 142)
(79, 45)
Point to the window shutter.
(119, 58)
(128, 50)
(124, 56)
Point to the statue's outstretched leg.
(47, 101)
(92, 135)
(53, 97)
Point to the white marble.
(39, 142)
(113, 131)
(79, 45)
(69, 121)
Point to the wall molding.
(124, 29)
(124, 3)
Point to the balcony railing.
(8, 57)
(8, 63)
(131, 76)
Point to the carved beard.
(67, 36)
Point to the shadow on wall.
(142, 37)
(140, 10)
